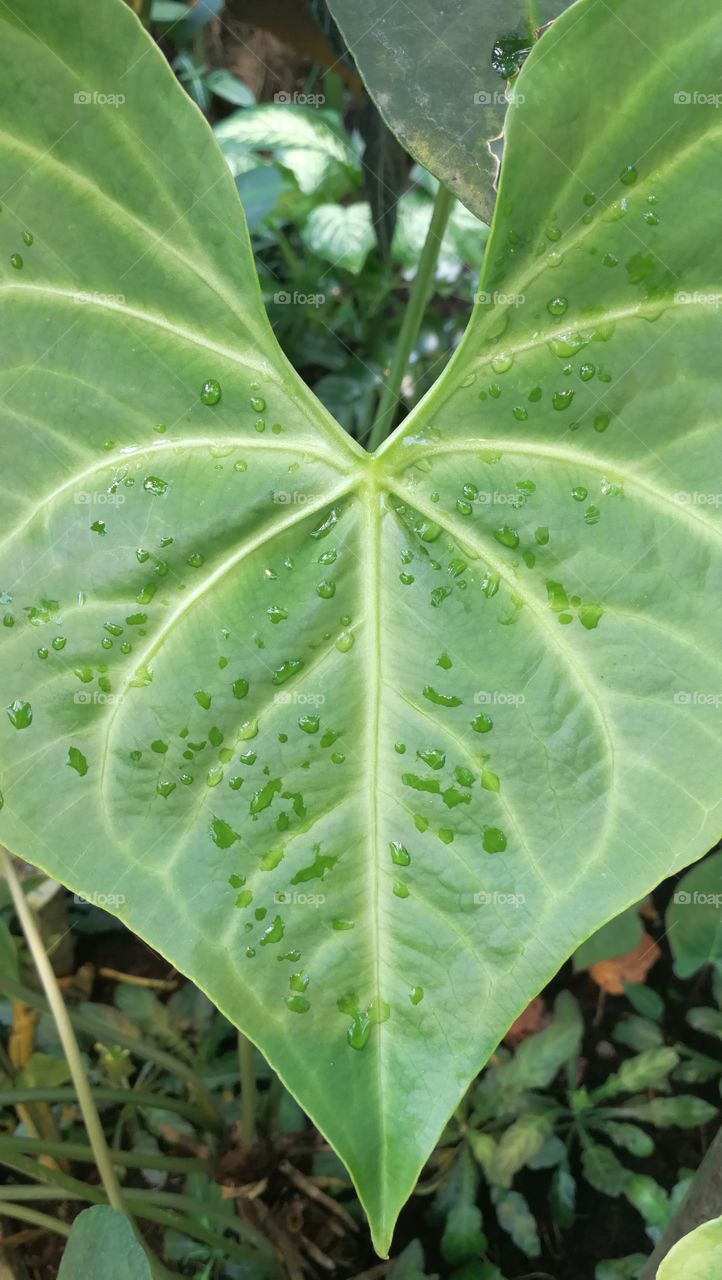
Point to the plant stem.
(418, 297)
(78, 1152)
(137, 1046)
(105, 1097)
(248, 1090)
(71, 1049)
(35, 1219)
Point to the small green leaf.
(648, 1070)
(340, 234)
(516, 1218)
(615, 938)
(102, 1243)
(563, 1196)
(602, 1169)
(694, 917)
(684, 1111)
(648, 1198)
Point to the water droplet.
(557, 306)
(502, 362)
(16, 261)
(77, 761)
(416, 995)
(494, 840)
(482, 723)
(156, 486)
(441, 699)
(203, 699)
(506, 536)
(211, 392)
(326, 590)
(562, 399)
(28, 237)
(628, 175)
(579, 493)
(20, 714)
(592, 515)
(257, 404)
(400, 855)
(345, 642)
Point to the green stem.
(71, 1049)
(61, 1186)
(77, 1151)
(34, 1218)
(139, 1048)
(247, 1065)
(106, 1097)
(418, 297)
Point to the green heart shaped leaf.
(438, 76)
(365, 746)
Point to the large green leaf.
(698, 1256)
(366, 746)
(437, 75)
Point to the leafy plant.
(331, 730)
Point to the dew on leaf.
(77, 761)
(557, 306)
(400, 855)
(211, 391)
(562, 399)
(20, 714)
(494, 840)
